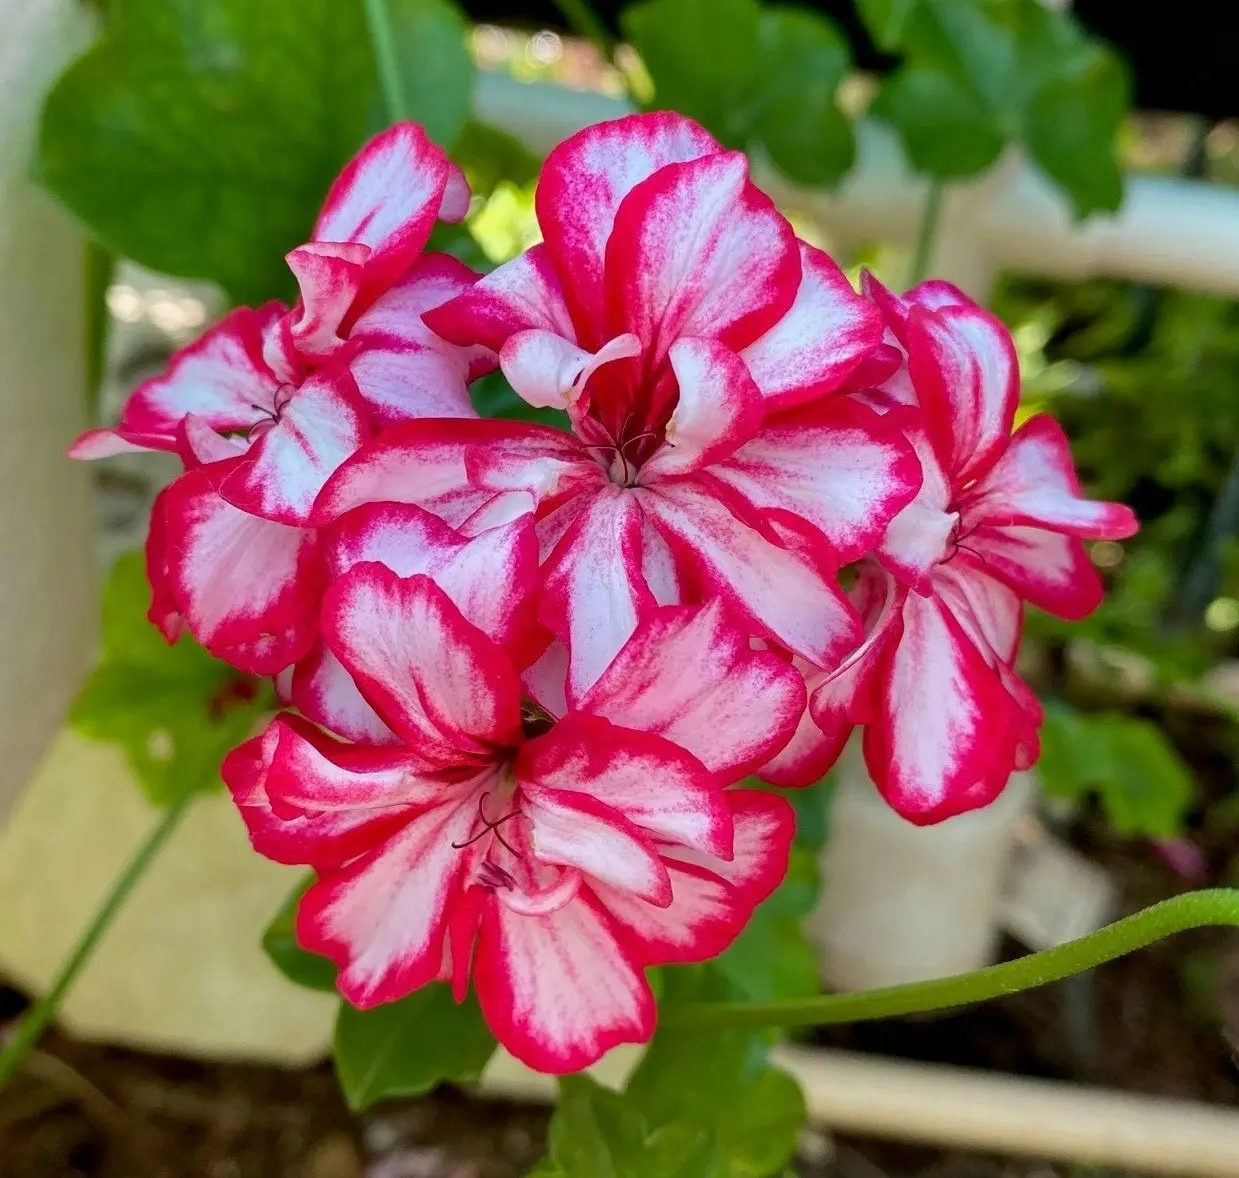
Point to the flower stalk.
(927, 233)
(37, 1019)
(383, 41)
(1202, 909)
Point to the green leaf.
(980, 73)
(683, 1151)
(546, 1168)
(1071, 128)
(1144, 786)
(279, 942)
(945, 132)
(174, 710)
(406, 1048)
(199, 137)
(700, 55)
(1150, 788)
(886, 20)
(722, 1083)
(772, 959)
(803, 59)
(974, 42)
(812, 806)
(597, 1133)
(437, 71)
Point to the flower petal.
(592, 590)
(841, 699)
(704, 917)
(488, 577)
(434, 678)
(165, 611)
(572, 828)
(383, 918)
(583, 183)
(221, 376)
(199, 444)
(785, 593)
(919, 536)
(654, 783)
(719, 409)
(546, 370)
(931, 295)
(329, 275)
(989, 611)
(834, 465)
(1034, 482)
(522, 294)
(689, 674)
(323, 691)
(963, 365)
(93, 444)
(943, 723)
(559, 991)
(456, 196)
(403, 370)
(825, 335)
(238, 578)
(764, 826)
(308, 799)
(808, 756)
(546, 462)
(545, 679)
(419, 462)
(284, 469)
(698, 250)
(1046, 568)
(387, 197)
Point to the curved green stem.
(1215, 906)
(386, 60)
(585, 22)
(36, 1019)
(926, 233)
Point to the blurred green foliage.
(978, 74)
(1147, 387)
(1143, 785)
(174, 710)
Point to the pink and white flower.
(269, 401)
(551, 858)
(694, 343)
(999, 520)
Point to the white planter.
(903, 903)
(48, 599)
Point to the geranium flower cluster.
(528, 668)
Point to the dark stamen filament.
(488, 827)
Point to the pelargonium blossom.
(695, 345)
(999, 521)
(550, 859)
(269, 401)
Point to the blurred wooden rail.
(958, 1108)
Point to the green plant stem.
(1215, 906)
(927, 232)
(386, 60)
(585, 22)
(36, 1019)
